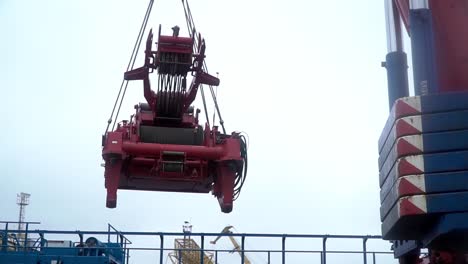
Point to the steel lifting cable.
(192, 29)
(221, 121)
(139, 39)
(130, 65)
(205, 68)
(241, 175)
(214, 112)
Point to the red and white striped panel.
(407, 106)
(406, 206)
(408, 165)
(405, 186)
(404, 146)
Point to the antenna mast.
(22, 199)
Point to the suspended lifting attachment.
(163, 147)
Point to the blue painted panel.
(445, 182)
(415, 227)
(29, 258)
(388, 183)
(437, 103)
(438, 122)
(19, 258)
(69, 255)
(423, 52)
(447, 202)
(431, 163)
(403, 247)
(432, 142)
(447, 230)
(433, 183)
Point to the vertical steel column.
(128, 255)
(423, 49)
(269, 257)
(396, 62)
(202, 252)
(5, 238)
(364, 249)
(41, 235)
(161, 251)
(283, 249)
(26, 236)
(216, 257)
(373, 258)
(324, 250)
(242, 249)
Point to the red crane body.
(163, 147)
(450, 18)
(439, 44)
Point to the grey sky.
(302, 78)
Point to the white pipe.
(390, 26)
(419, 4)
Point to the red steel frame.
(135, 165)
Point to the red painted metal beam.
(210, 153)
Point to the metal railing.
(160, 252)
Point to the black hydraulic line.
(242, 175)
(130, 65)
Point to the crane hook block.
(163, 147)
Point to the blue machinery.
(25, 248)
(33, 247)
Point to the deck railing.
(314, 248)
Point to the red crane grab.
(163, 147)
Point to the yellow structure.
(183, 253)
(237, 247)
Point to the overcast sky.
(301, 78)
